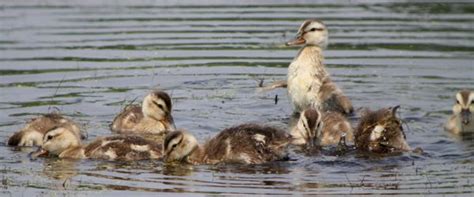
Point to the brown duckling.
(462, 119)
(153, 117)
(309, 83)
(63, 143)
(32, 133)
(381, 131)
(322, 129)
(245, 144)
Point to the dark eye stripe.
(316, 29)
(174, 145)
(158, 105)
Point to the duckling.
(381, 131)
(63, 143)
(32, 133)
(308, 81)
(321, 129)
(244, 144)
(462, 119)
(153, 117)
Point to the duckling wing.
(126, 120)
(333, 99)
(248, 144)
(125, 148)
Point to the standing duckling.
(63, 143)
(462, 120)
(245, 144)
(153, 117)
(321, 129)
(381, 131)
(308, 83)
(33, 132)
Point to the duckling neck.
(75, 152)
(310, 56)
(196, 156)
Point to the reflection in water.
(61, 169)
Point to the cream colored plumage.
(33, 132)
(462, 119)
(308, 81)
(153, 117)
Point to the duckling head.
(56, 141)
(157, 105)
(464, 105)
(311, 32)
(308, 129)
(387, 135)
(178, 145)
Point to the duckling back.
(247, 144)
(381, 131)
(32, 133)
(125, 148)
(335, 126)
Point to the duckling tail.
(15, 139)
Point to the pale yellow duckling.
(462, 119)
(33, 132)
(153, 117)
(63, 143)
(244, 144)
(321, 129)
(381, 131)
(309, 83)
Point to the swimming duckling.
(308, 83)
(153, 117)
(63, 143)
(245, 144)
(462, 119)
(321, 129)
(381, 132)
(34, 130)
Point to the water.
(210, 59)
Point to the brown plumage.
(245, 144)
(152, 117)
(333, 99)
(32, 133)
(335, 126)
(62, 143)
(317, 128)
(381, 131)
(124, 148)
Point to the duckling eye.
(316, 29)
(159, 105)
(457, 101)
(174, 146)
(49, 137)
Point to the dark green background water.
(210, 58)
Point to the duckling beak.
(299, 40)
(465, 116)
(171, 121)
(39, 153)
